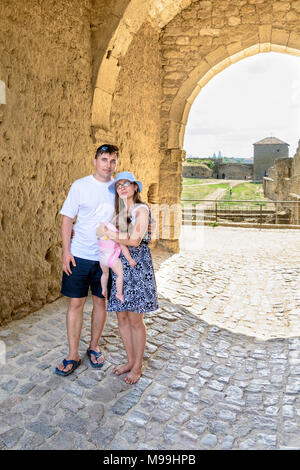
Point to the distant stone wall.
(197, 171)
(234, 171)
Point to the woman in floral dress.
(132, 218)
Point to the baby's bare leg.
(118, 270)
(104, 279)
(128, 256)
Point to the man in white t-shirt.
(91, 202)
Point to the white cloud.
(252, 99)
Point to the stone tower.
(266, 151)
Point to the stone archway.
(199, 43)
(173, 128)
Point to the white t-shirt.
(92, 202)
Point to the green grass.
(192, 181)
(246, 192)
(201, 191)
(195, 188)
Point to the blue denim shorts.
(86, 274)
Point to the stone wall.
(135, 110)
(196, 171)
(283, 184)
(234, 171)
(45, 63)
(278, 185)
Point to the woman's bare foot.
(120, 297)
(122, 368)
(133, 376)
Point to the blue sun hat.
(124, 175)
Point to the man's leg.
(99, 316)
(74, 326)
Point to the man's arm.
(66, 230)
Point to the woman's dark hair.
(121, 216)
(107, 148)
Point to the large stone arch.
(109, 61)
(197, 44)
(200, 76)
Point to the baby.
(109, 252)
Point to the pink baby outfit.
(109, 251)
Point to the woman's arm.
(138, 231)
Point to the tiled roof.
(270, 140)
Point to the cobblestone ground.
(222, 362)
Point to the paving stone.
(10, 385)
(181, 417)
(26, 388)
(210, 441)
(288, 411)
(227, 443)
(11, 437)
(171, 434)
(157, 390)
(30, 441)
(71, 404)
(74, 424)
(197, 425)
(87, 382)
(161, 416)
(126, 402)
(267, 441)
(137, 418)
(248, 444)
(42, 429)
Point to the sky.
(257, 97)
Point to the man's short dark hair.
(107, 148)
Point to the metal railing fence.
(199, 211)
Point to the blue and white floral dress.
(139, 289)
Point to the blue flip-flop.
(96, 354)
(65, 364)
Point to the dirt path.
(221, 191)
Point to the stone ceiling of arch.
(114, 25)
(207, 37)
(114, 22)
